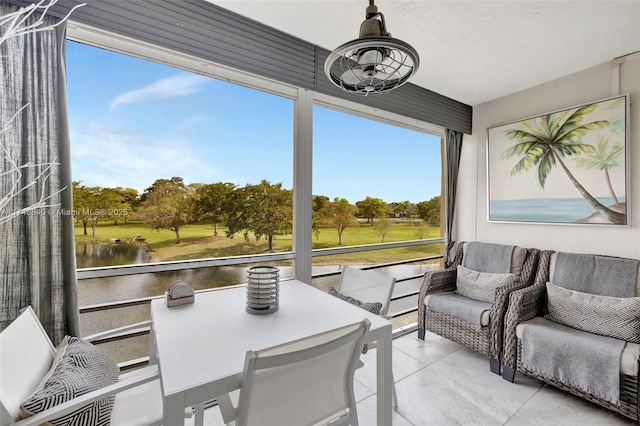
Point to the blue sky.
(133, 121)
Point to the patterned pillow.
(480, 285)
(617, 317)
(373, 307)
(78, 368)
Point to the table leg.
(174, 410)
(153, 358)
(384, 381)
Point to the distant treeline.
(263, 210)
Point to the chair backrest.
(303, 382)
(493, 258)
(367, 286)
(26, 354)
(596, 274)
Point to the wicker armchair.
(530, 305)
(486, 340)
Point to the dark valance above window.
(207, 31)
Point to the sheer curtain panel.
(37, 257)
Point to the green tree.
(604, 158)
(82, 201)
(421, 233)
(213, 202)
(265, 209)
(119, 202)
(429, 211)
(382, 226)
(318, 203)
(93, 204)
(371, 208)
(339, 214)
(129, 202)
(545, 141)
(168, 204)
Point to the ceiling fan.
(375, 62)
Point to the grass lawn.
(199, 242)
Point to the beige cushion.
(617, 317)
(485, 318)
(628, 360)
(480, 285)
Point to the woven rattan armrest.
(524, 304)
(501, 302)
(438, 282)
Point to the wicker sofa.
(483, 336)
(575, 329)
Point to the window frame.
(304, 102)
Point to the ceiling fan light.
(375, 62)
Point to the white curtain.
(37, 257)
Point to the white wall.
(583, 87)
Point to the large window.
(185, 171)
(170, 165)
(373, 183)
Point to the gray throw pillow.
(480, 285)
(617, 317)
(373, 307)
(78, 368)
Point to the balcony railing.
(403, 302)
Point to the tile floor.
(442, 383)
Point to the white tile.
(427, 351)
(442, 383)
(361, 391)
(551, 406)
(367, 414)
(403, 366)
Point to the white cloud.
(108, 157)
(170, 87)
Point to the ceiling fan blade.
(356, 76)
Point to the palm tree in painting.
(604, 158)
(545, 141)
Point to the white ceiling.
(471, 51)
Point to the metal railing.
(123, 270)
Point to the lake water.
(90, 255)
(559, 210)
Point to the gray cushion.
(617, 317)
(480, 285)
(373, 307)
(78, 368)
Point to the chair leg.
(421, 333)
(393, 392)
(199, 414)
(508, 373)
(494, 365)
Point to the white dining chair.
(26, 356)
(367, 287)
(304, 382)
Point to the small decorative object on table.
(262, 289)
(179, 293)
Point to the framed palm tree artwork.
(565, 167)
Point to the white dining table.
(200, 348)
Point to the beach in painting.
(550, 210)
